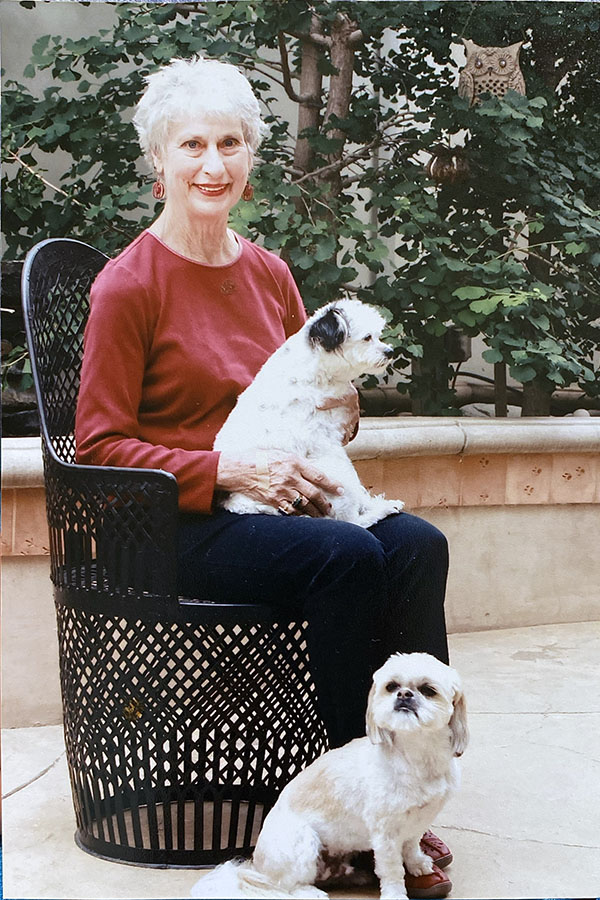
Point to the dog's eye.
(392, 686)
(428, 691)
(368, 337)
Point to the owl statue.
(494, 70)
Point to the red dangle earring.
(248, 192)
(158, 190)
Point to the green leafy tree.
(510, 250)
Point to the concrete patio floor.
(526, 823)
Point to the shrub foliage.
(509, 250)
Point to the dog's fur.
(379, 793)
(279, 410)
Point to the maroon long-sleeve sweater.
(169, 346)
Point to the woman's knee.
(411, 536)
(433, 541)
(348, 551)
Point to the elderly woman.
(180, 323)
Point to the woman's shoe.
(421, 886)
(436, 849)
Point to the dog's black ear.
(329, 330)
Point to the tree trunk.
(536, 398)
(311, 84)
(343, 42)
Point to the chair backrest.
(56, 281)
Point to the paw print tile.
(528, 479)
(370, 472)
(483, 480)
(8, 521)
(30, 532)
(400, 480)
(574, 477)
(439, 481)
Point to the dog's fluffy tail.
(238, 879)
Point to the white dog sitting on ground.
(280, 410)
(380, 792)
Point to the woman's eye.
(192, 145)
(230, 142)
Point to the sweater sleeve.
(117, 342)
(296, 313)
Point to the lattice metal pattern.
(111, 532)
(59, 286)
(160, 715)
(183, 719)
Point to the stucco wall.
(522, 523)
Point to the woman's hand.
(279, 480)
(351, 402)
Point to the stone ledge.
(386, 438)
(22, 465)
(405, 436)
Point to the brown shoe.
(436, 849)
(435, 885)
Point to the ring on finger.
(298, 502)
(284, 510)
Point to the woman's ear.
(157, 163)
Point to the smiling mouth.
(211, 191)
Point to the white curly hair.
(196, 85)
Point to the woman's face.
(205, 166)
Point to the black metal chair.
(183, 718)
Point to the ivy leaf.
(486, 306)
(454, 265)
(470, 292)
(575, 249)
(466, 317)
(524, 374)
(492, 356)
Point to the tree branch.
(45, 181)
(58, 190)
(336, 165)
(321, 40)
(287, 76)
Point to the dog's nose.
(388, 352)
(405, 699)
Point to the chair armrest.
(112, 530)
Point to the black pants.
(366, 593)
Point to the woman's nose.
(212, 162)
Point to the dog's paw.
(393, 890)
(243, 505)
(419, 864)
(377, 509)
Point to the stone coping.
(386, 438)
(22, 463)
(408, 436)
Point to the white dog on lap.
(280, 411)
(379, 793)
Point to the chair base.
(181, 735)
(240, 821)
